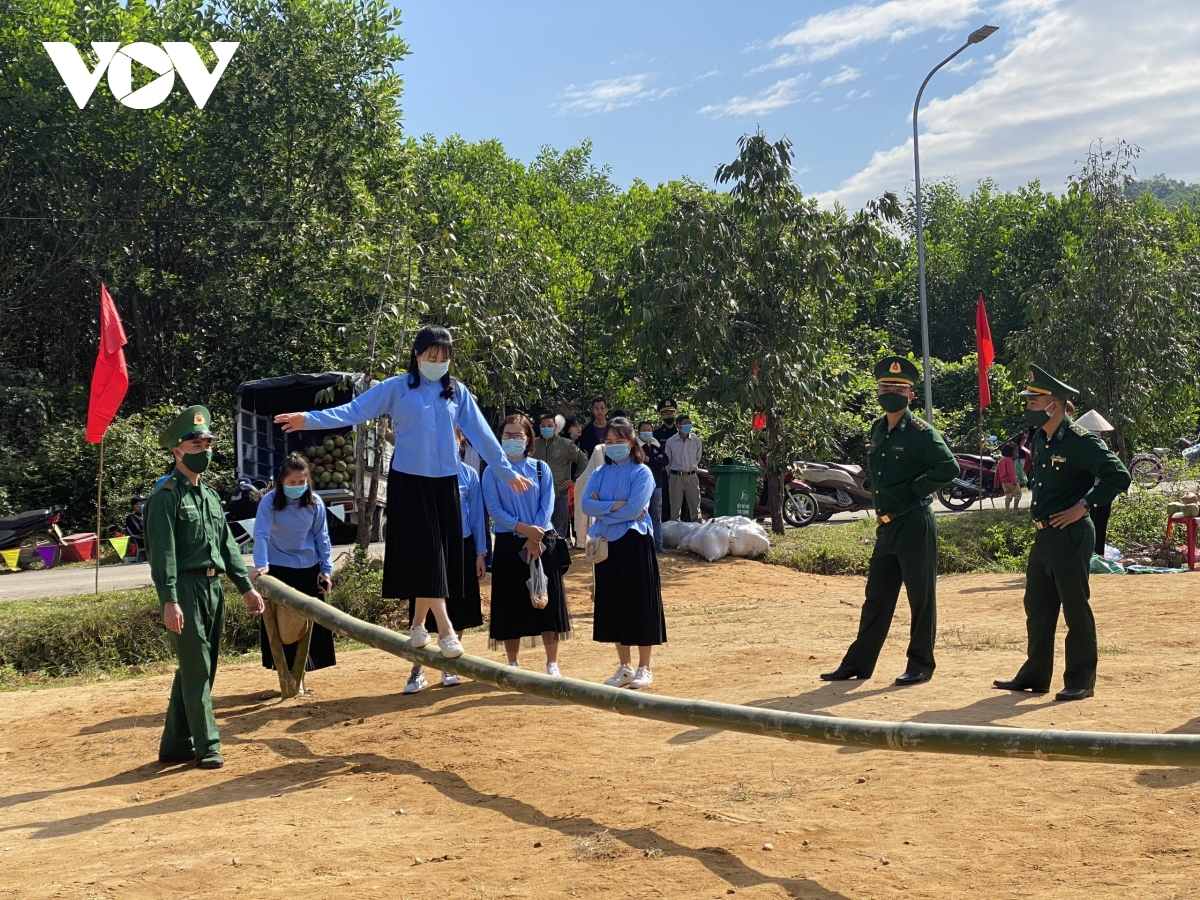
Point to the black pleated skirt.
(321, 654)
(513, 616)
(465, 611)
(629, 607)
(423, 551)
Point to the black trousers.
(905, 554)
(1057, 576)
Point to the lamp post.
(973, 38)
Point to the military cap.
(667, 404)
(897, 370)
(193, 422)
(1042, 382)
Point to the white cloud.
(843, 75)
(709, 74)
(609, 94)
(777, 96)
(828, 34)
(1076, 71)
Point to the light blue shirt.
(424, 423)
(296, 536)
(629, 481)
(507, 507)
(470, 496)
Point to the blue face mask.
(295, 491)
(547, 433)
(616, 452)
(645, 436)
(434, 370)
(513, 446)
(686, 429)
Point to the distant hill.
(1171, 193)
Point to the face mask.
(645, 436)
(892, 403)
(434, 371)
(513, 446)
(547, 433)
(686, 429)
(197, 462)
(616, 452)
(669, 421)
(1036, 417)
(295, 491)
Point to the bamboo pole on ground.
(922, 737)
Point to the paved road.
(74, 581)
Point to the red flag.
(110, 378)
(985, 352)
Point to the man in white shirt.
(683, 459)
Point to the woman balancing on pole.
(293, 545)
(629, 606)
(423, 554)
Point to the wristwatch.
(1083, 502)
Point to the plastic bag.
(677, 534)
(1111, 552)
(749, 539)
(1101, 565)
(539, 590)
(711, 540)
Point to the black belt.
(688, 472)
(892, 517)
(211, 571)
(1043, 524)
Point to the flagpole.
(981, 458)
(99, 508)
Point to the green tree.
(740, 295)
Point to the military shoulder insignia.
(168, 485)
(1078, 429)
(919, 424)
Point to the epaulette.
(1078, 429)
(168, 485)
(919, 423)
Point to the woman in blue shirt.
(422, 558)
(629, 607)
(522, 524)
(291, 542)
(465, 611)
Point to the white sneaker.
(418, 636)
(449, 679)
(416, 681)
(643, 678)
(552, 670)
(514, 664)
(621, 677)
(450, 646)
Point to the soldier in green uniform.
(189, 545)
(1072, 472)
(909, 462)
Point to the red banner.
(110, 378)
(985, 352)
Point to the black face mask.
(669, 421)
(892, 403)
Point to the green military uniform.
(189, 544)
(908, 464)
(1069, 466)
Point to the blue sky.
(665, 88)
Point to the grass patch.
(981, 540)
(597, 845)
(120, 633)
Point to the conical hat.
(1093, 421)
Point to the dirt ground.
(361, 791)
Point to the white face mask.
(434, 371)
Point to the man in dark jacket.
(656, 459)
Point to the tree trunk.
(774, 475)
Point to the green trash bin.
(736, 490)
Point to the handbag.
(539, 591)
(596, 550)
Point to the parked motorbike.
(835, 487)
(798, 508)
(964, 490)
(31, 530)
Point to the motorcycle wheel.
(799, 509)
(29, 557)
(823, 516)
(1146, 472)
(953, 500)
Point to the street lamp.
(974, 38)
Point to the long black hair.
(431, 336)
(293, 462)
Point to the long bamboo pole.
(99, 511)
(967, 740)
